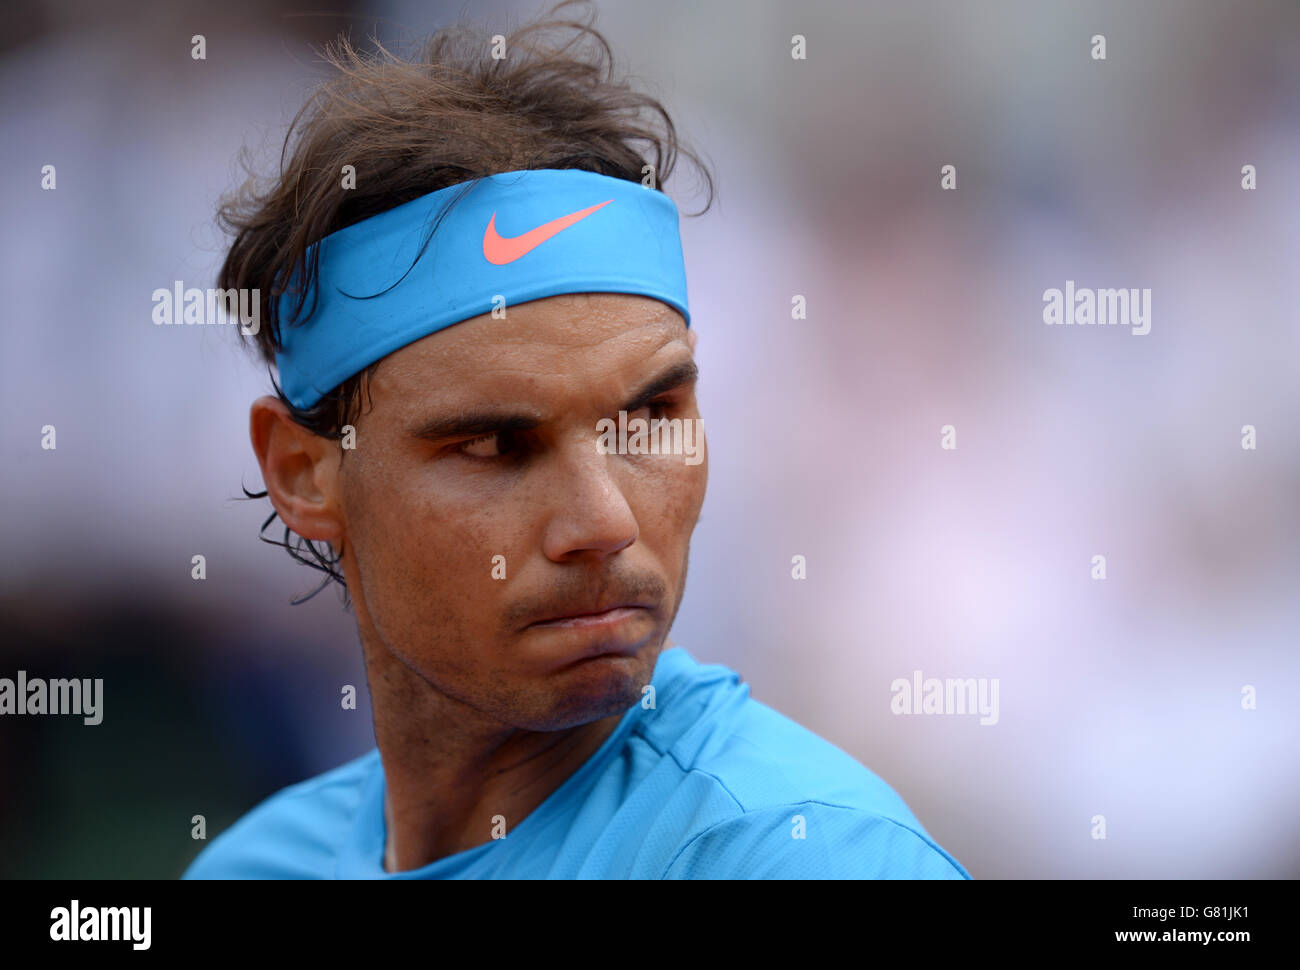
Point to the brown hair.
(410, 127)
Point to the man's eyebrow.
(475, 423)
(683, 373)
(481, 421)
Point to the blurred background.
(1119, 698)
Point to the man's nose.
(589, 511)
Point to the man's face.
(477, 455)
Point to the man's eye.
(653, 410)
(485, 447)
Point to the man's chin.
(595, 688)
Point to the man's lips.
(584, 618)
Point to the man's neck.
(456, 778)
(443, 799)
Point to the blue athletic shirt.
(707, 784)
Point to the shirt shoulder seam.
(785, 806)
(690, 770)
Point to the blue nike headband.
(511, 238)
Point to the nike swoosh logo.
(499, 250)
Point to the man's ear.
(300, 470)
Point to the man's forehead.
(562, 342)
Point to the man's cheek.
(463, 553)
(685, 495)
